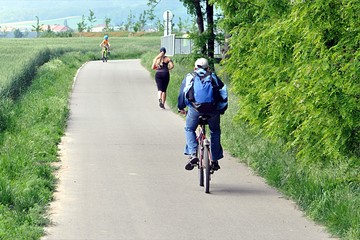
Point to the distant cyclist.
(105, 44)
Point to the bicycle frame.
(204, 154)
(105, 52)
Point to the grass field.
(35, 80)
(21, 56)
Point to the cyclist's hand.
(182, 111)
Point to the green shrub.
(294, 68)
(297, 77)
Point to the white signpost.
(168, 16)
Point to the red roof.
(55, 28)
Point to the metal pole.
(167, 23)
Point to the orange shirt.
(105, 42)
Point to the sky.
(118, 10)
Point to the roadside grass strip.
(35, 124)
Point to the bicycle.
(204, 155)
(105, 54)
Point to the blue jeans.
(192, 121)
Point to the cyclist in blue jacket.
(192, 116)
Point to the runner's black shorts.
(162, 80)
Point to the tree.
(92, 19)
(141, 21)
(202, 10)
(107, 24)
(205, 40)
(120, 26)
(37, 28)
(150, 14)
(130, 22)
(181, 25)
(18, 33)
(48, 29)
(210, 30)
(81, 25)
(159, 25)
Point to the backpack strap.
(193, 74)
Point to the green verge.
(35, 124)
(318, 190)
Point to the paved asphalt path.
(122, 173)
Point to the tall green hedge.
(295, 67)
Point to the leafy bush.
(297, 76)
(294, 66)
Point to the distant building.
(55, 28)
(98, 28)
(8, 31)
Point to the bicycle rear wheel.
(206, 164)
(201, 168)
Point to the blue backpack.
(201, 93)
(205, 93)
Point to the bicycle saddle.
(203, 119)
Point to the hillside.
(55, 12)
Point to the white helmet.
(202, 63)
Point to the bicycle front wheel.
(206, 164)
